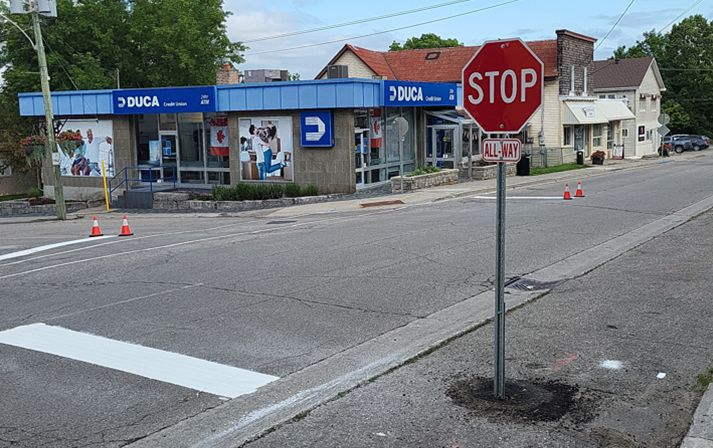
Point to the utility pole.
(48, 8)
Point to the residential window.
(649, 135)
(602, 97)
(624, 132)
(655, 105)
(597, 135)
(612, 97)
(568, 136)
(642, 105)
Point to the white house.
(637, 83)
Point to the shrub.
(309, 190)
(34, 193)
(424, 170)
(292, 190)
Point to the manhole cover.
(526, 284)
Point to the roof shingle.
(619, 73)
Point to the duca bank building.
(336, 134)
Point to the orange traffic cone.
(125, 228)
(95, 228)
(579, 193)
(566, 192)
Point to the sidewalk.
(599, 361)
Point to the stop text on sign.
(506, 84)
(501, 150)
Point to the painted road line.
(22, 253)
(544, 198)
(173, 368)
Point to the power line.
(384, 32)
(615, 24)
(355, 22)
(696, 3)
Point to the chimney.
(227, 74)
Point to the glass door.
(361, 156)
(169, 151)
(443, 141)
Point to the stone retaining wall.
(486, 172)
(23, 207)
(181, 201)
(445, 177)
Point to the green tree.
(178, 42)
(685, 57)
(428, 40)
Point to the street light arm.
(34, 47)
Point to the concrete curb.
(700, 434)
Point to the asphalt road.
(276, 296)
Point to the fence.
(542, 157)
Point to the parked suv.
(682, 142)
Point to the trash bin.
(580, 157)
(523, 166)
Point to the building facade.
(637, 83)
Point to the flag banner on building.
(375, 121)
(219, 136)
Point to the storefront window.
(567, 141)
(400, 140)
(167, 122)
(190, 136)
(147, 126)
(597, 136)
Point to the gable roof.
(624, 73)
(435, 64)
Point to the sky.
(471, 22)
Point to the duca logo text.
(137, 101)
(405, 93)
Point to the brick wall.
(578, 51)
(227, 76)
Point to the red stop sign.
(503, 86)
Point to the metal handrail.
(150, 180)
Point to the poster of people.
(266, 149)
(96, 146)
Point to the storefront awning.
(615, 110)
(595, 112)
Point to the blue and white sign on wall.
(404, 93)
(317, 128)
(163, 101)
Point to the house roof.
(626, 73)
(436, 64)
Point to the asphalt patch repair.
(524, 402)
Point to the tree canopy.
(427, 40)
(685, 58)
(99, 44)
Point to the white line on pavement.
(34, 250)
(519, 197)
(173, 368)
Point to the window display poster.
(154, 152)
(219, 136)
(266, 149)
(96, 147)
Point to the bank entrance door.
(443, 142)
(169, 150)
(361, 156)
